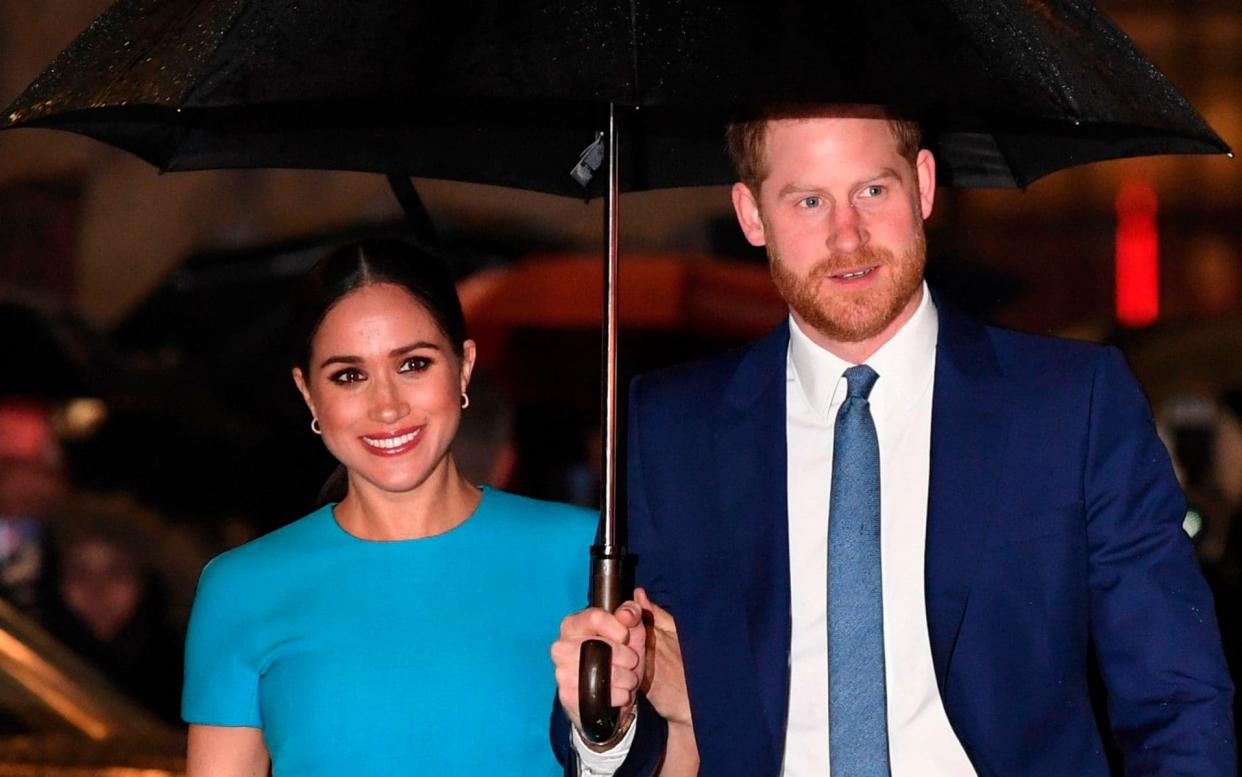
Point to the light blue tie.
(857, 709)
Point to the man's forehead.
(811, 131)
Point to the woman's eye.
(415, 364)
(346, 376)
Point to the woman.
(403, 630)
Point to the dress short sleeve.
(221, 673)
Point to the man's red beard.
(847, 316)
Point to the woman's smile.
(392, 443)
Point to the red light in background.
(1137, 255)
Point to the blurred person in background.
(106, 595)
(1228, 450)
(32, 479)
(1225, 573)
(402, 628)
(1204, 435)
(1190, 425)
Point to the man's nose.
(387, 404)
(848, 233)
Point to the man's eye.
(347, 376)
(814, 201)
(415, 364)
(874, 190)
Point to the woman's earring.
(315, 426)
(465, 400)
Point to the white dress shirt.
(920, 740)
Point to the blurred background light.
(1137, 255)
(81, 417)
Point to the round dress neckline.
(341, 531)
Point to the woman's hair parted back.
(367, 263)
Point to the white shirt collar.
(905, 363)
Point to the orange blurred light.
(1137, 255)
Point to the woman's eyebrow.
(340, 360)
(413, 347)
(394, 352)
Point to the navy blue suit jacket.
(1053, 528)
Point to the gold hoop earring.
(315, 426)
(465, 400)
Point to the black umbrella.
(517, 93)
(512, 92)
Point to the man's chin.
(845, 329)
(850, 322)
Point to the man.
(889, 539)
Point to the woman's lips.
(392, 443)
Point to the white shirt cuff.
(605, 764)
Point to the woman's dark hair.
(366, 263)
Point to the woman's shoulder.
(540, 518)
(271, 552)
(538, 509)
(542, 543)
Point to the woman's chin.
(394, 476)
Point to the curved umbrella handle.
(599, 717)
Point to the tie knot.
(859, 380)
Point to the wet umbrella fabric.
(512, 93)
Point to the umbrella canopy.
(512, 92)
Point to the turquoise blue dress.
(416, 657)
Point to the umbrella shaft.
(612, 224)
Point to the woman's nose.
(387, 404)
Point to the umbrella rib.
(241, 9)
(1020, 180)
(169, 27)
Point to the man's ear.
(746, 206)
(925, 168)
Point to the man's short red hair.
(746, 136)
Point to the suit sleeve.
(643, 538)
(1152, 618)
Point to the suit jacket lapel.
(970, 430)
(750, 455)
(969, 435)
